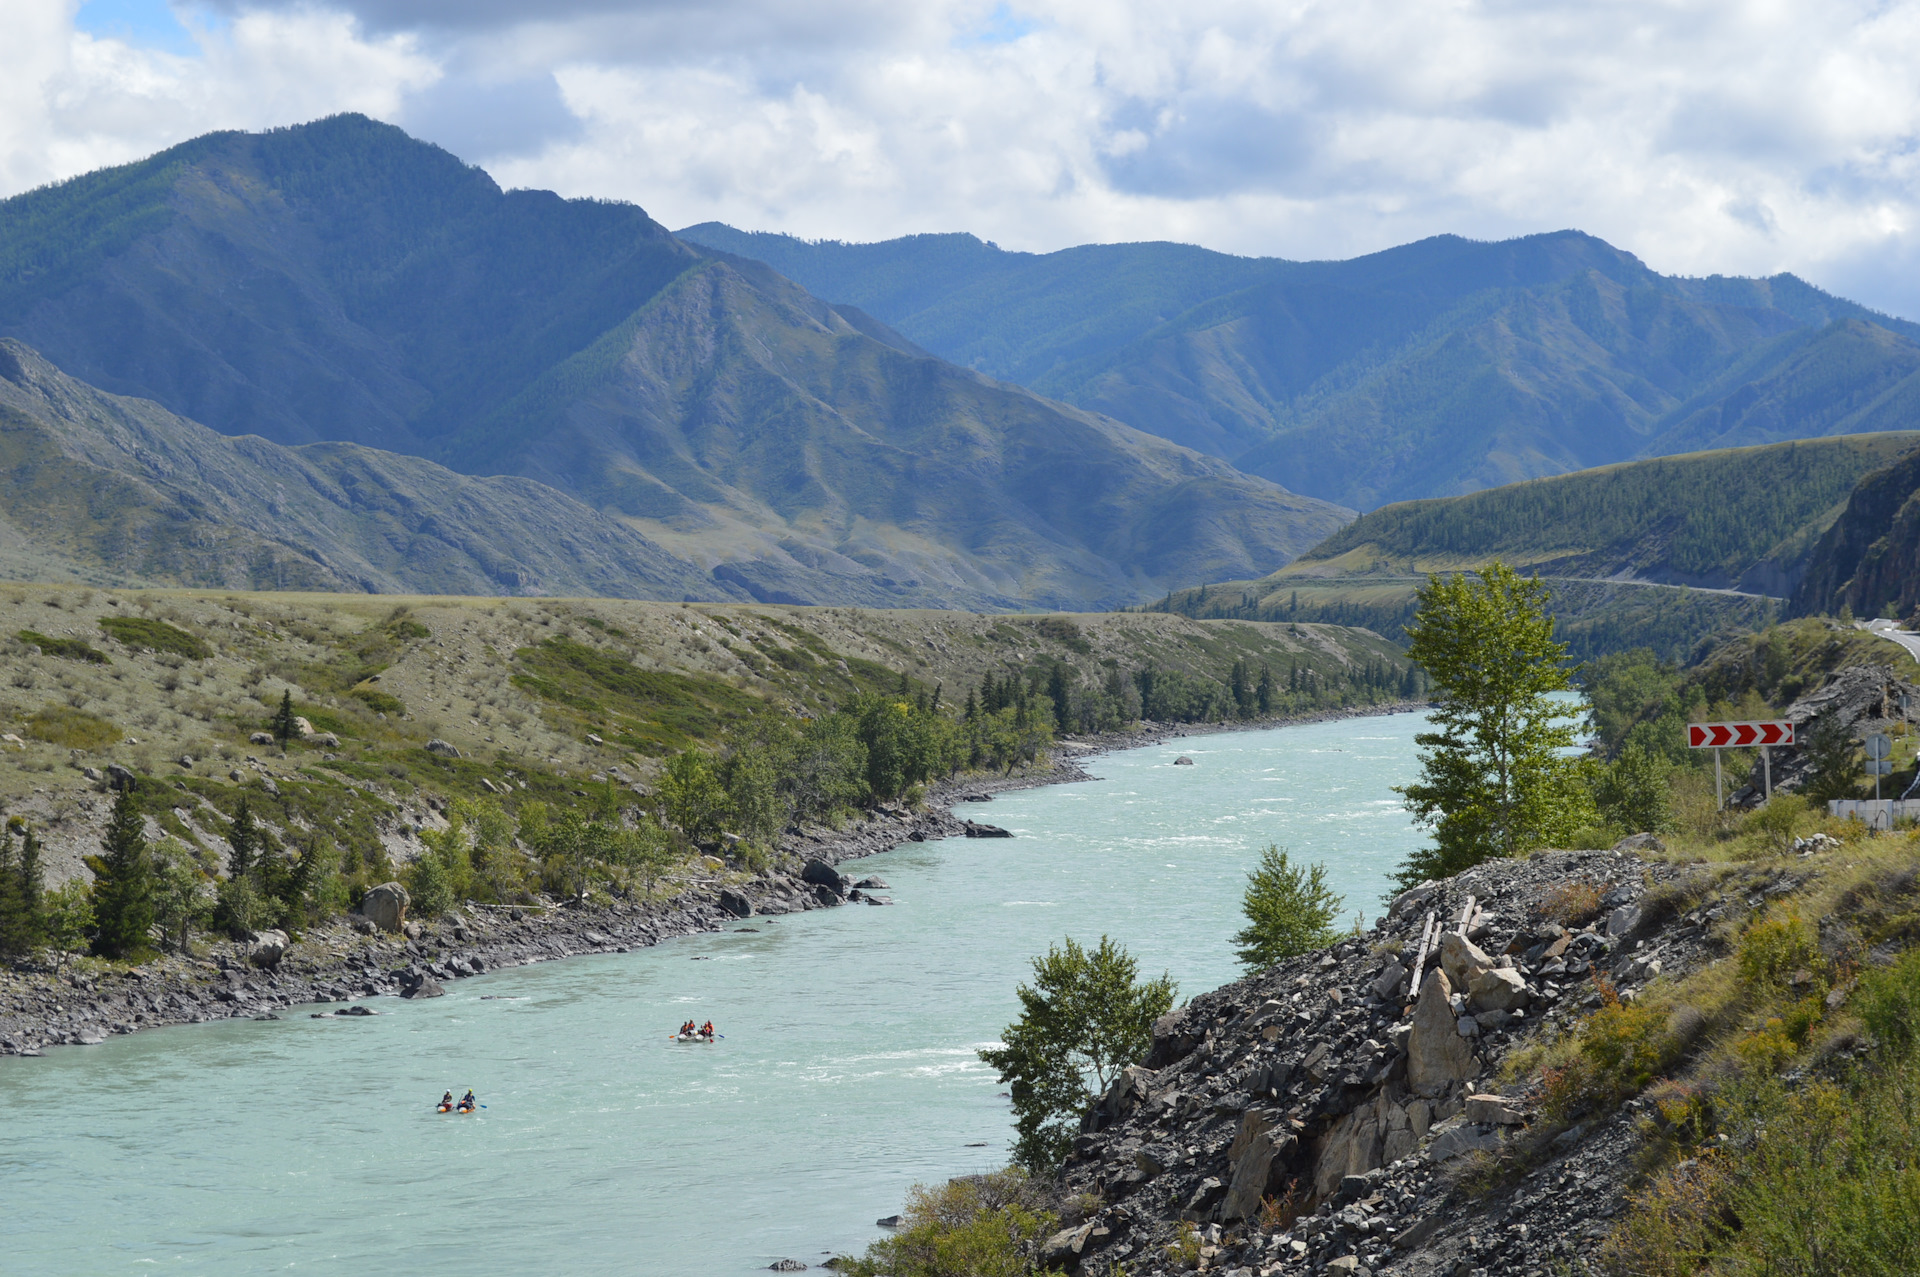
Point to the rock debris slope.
(1331, 1082)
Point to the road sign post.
(1880, 759)
(1719, 736)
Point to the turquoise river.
(847, 1073)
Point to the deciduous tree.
(1493, 778)
(1084, 1018)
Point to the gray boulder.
(386, 906)
(267, 948)
(442, 748)
(821, 874)
(735, 903)
(1497, 990)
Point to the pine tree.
(1263, 695)
(13, 940)
(123, 887)
(1059, 694)
(284, 728)
(244, 839)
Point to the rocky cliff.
(1347, 1111)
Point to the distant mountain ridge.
(113, 491)
(340, 281)
(1431, 369)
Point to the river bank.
(335, 962)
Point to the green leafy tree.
(66, 918)
(284, 728)
(1290, 910)
(691, 796)
(1632, 793)
(123, 883)
(182, 894)
(1493, 779)
(1083, 1019)
(979, 1226)
(751, 777)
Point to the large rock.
(1391, 980)
(386, 906)
(821, 874)
(1461, 959)
(268, 948)
(1497, 990)
(1437, 1056)
(1374, 1134)
(1258, 1156)
(735, 903)
(442, 748)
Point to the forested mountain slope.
(1431, 369)
(1869, 560)
(1743, 519)
(342, 281)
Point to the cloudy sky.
(1704, 135)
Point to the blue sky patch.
(1002, 26)
(147, 24)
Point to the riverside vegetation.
(271, 759)
(1691, 1050)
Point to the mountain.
(1741, 519)
(113, 491)
(340, 281)
(1431, 369)
(1869, 560)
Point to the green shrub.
(71, 728)
(1889, 1003)
(72, 649)
(1773, 950)
(378, 701)
(1290, 910)
(155, 636)
(980, 1226)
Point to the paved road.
(1889, 630)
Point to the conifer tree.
(244, 839)
(1263, 694)
(14, 940)
(284, 728)
(123, 888)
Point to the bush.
(71, 728)
(1773, 950)
(156, 636)
(378, 701)
(71, 648)
(1571, 904)
(1889, 1003)
(980, 1226)
(1289, 909)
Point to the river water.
(847, 1072)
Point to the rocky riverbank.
(1344, 1113)
(351, 958)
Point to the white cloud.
(1745, 136)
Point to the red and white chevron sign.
(1713, 735)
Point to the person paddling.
(446, 1102)
(466, 1101)
(706, 1030)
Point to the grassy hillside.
(540, 697)
(1743, 518)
